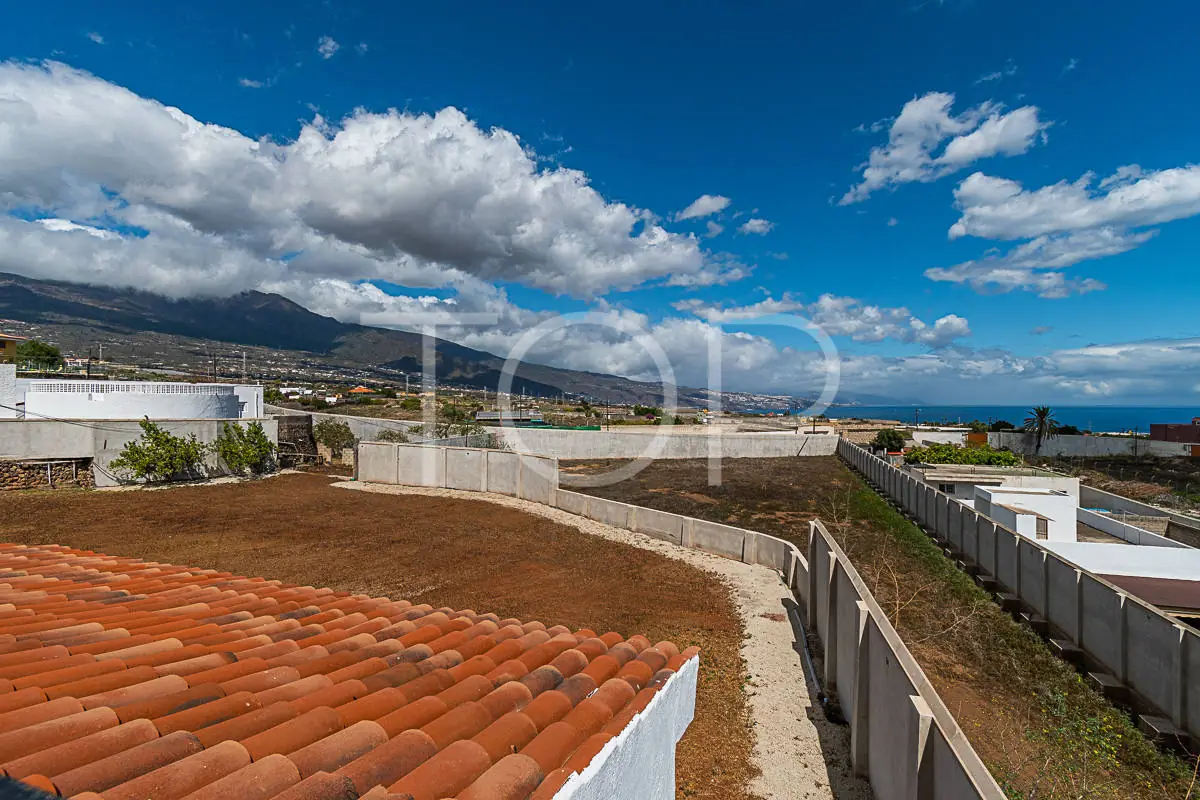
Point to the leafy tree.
(411, 404)
(1042, 425)
(1001, 425)
(646, 411)
(392, 435)
(159, 456)
(888, 439)
(977, 427)
(245, 450)
(39, 355)
(272, 395)
(1068, 430)
(937, 453)
(334, 434)
(388, 392)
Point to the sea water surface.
(1093, 418)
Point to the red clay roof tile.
(293, 690)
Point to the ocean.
(1110, 419)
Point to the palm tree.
(1042, 425)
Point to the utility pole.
(917, 417)
(243, 366)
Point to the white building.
(940, 435)
(959, 480)
(83, 399)
(1045, 514)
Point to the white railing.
(129, 387)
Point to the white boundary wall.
(903, 738)
(102, 440)
(1134, 535)
(1070, 445)
(670, 444)
(1139, 645)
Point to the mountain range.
(280, 338)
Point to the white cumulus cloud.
(703, 206)
(915, 152)
(426, 198)
(326, 46)
(760, 227)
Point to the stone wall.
(46, 474)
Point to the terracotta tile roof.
(132, 679)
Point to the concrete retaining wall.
(1151, 653)
(671, 444)
(903, 737)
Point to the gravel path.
(799, 753)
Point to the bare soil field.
(1041, 731)
(465, 554)
(1172, 482)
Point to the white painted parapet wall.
(903, 737)
(1143, 648)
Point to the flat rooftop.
(143, 679)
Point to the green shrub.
(159, 456)
(937, 453)
(245, 450)
(411, 404)
(334, 434)
(391, 435)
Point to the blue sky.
(972, 113)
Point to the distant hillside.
(147, 328)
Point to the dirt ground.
(459, 553)
(1172, 482)
(1041, 731)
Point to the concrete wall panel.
(659, 524)
(1153, 647)
(377, 462)
(571, 502)
(539, 476)
(503, 472)
(1101, 634)
(773, 552)
(1032, 560)
(846, 641)
(466, 469)
(421, 466)
(722, 540)
(1006, 557)
(1062, 596)
(986, 533)
(610, 512)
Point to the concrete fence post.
(1077, 637)
(812, 575)
(1123, 638)
(860, 733)
(483, 472)
(1045, 584)
(831, 631)
(920, 730)
(1179, 695)
(688, 535)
